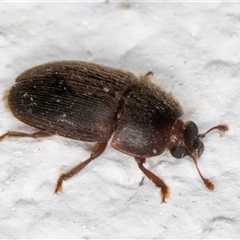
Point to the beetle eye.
(179, 152)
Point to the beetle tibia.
(97, 150)
(158, 182)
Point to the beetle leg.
(38, 134)
(97, 150)
(149, 74)
(158, 182)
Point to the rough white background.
(194, 51)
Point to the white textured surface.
(193, 50)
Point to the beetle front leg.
(97, 150)
(158, 182)
(38, 134)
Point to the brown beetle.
(90, 102)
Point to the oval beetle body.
(91, 102)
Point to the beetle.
(91, 102)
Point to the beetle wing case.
(70, 98)
(148, 115)
(88, 102)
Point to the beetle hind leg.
(38, 134)
(155, 179)
(97, 150)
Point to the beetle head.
(184, 139)
(188, 142)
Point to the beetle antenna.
(206, 181)
(221, 128)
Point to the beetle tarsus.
(58, 187)
(155, 179)
(164, 193)
(97, 150)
